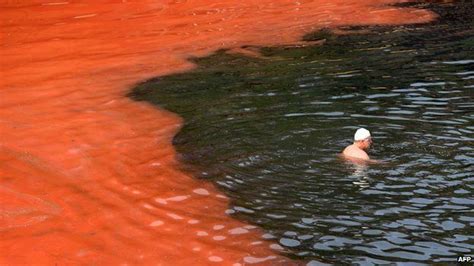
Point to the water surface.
(88, 176)
(266, 129)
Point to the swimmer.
(357, 150)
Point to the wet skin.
(358, 149)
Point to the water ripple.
(267, 132)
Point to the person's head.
(362, 138)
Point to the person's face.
(367, 143)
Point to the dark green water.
(268, 130)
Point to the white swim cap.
(361, 134)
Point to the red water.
(89, 176)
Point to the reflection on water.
(360, 175)
(266, 129)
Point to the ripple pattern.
(267, 130)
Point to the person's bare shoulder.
(348, 149)
(353, 151)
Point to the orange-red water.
(89, 176)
